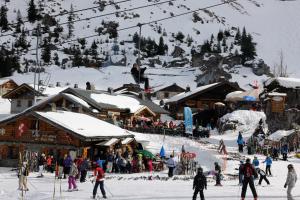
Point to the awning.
(127, 141)
(108, 143)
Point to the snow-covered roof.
(285, 82)
(2, 81)
(78, 100)
(84, 125)
(186, 94)
(108, 143)
(277, 94)
(278, 135)
(120, 101)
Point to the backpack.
(248, 171)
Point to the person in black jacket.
(199, 184)
(263, 176)
(248, 173)
(218, 174)
(138, 75)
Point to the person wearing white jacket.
(290, 181)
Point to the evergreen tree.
(248, 48)
(19, 22)
(161, 47)
(179, 36)
(135, 39)
(218, 48)
(206, 47)
(70, 22)
(224, 42)
(220, 36)
(77, 60)
(94, 51)
(56, 59)
(32, 13)
(237, 37)
(212, 38)
(21, 42)
(46, 52)
(3, 18)
(244, 35)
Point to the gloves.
(285, 186)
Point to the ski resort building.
(167, 92)
(202, 98)
(55, 133)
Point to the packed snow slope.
(273, 23)
(137, 187)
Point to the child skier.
(263, 176)
(99, 174)
(72, 181)
(199, 184)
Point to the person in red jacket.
(249, 173)
(99, 175)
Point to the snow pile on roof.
(277, 94)
(78, 100)
(278, 135)
(5, 106)
(186, 94)
(120, 101)
(2, 81)
(246, 120)
(285, 82)
(84, 125)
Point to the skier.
(248, 173)
(262, 176)
(275, 153)
(218, 174)
(290, 181)
(83, 169)
(67, 165)
(71, 180)
(268, 162)
(255, 162)
(199, 184)
(240, 142)
(41, 163)
(99, 175)
(171, 165)
(24, 172)
(284, 152)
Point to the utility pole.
(37, 61)
(139, 55)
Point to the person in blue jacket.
(240, 142)
(268, 162)
(284, 151)
(255, 162)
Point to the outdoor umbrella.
(162, 152)
(146, 153)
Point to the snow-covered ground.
(136, 187)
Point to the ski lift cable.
(150, 22)
(97, 16)
(79, 10)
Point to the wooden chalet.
(201, 98)
(55, 133)
(168, 91)
(22, 97)
(7, 85)
(129, 89)
(111, 106)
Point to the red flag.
(21, 129)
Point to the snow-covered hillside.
(273, 24)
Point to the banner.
(188, 120)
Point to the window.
(29, 103)
(167, 95)
(19, 103)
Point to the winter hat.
(200, 170)
(248, 160)
(290, 166)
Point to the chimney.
(58, 84)
(187, 89)
(75, 85)
(110, 90)
(53, 107)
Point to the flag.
(21, 129)
(162, 152)
(188, 120)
